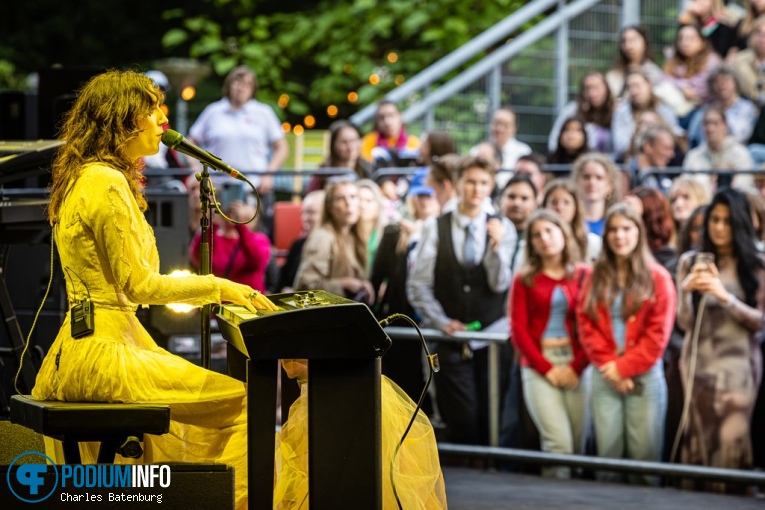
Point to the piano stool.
(118, 427)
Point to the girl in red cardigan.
(625, 318)
(543, 302)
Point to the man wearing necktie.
(461, 275)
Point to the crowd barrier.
(494, 452)
(493, 339)
(294, 182)
(665, 469)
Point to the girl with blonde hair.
(625, 320)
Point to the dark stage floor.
(474, 489)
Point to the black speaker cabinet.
(58, 87)
(18, 116)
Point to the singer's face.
(148, 139)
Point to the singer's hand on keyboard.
(244, 295)
(262, 302)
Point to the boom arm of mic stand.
(205, 260)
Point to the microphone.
(175, 140)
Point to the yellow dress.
(416, 470)
(103, 238)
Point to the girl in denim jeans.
(625, 318)
(552, 361)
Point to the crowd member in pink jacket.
(238, 253)
(625, 318)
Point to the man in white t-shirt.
(503, 128)
(242, 131)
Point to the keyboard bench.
(118, 427)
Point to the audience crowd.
(631, 284)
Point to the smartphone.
(230, 192)
(705, 258)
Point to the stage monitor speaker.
(18, 116)
(168, 215)
(57, 91)
(27, 270)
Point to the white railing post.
(631, 12)
(561, 62)
(494, 86)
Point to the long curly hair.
(639, 283)
(104, 118)
(657, 218)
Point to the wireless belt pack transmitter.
(82, 317)
(82, 313)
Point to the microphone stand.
(205, 259)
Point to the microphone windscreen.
(171, 138)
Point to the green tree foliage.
(319, 51)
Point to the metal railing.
(455, 59)
(536, 70)
(605, 464)
(461, 81)
(493, 451)
(493, 339)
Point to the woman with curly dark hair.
(107, 250)
(689, 67)
(659, 226)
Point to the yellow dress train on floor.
(416, 472)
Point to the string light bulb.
(188, 92)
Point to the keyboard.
(309, 324)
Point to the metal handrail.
(456, 58)
(494, 340)
(678, 170)
(485, 65)
(606, 464)
(436, 335)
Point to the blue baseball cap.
(160, 79)
(417, 185)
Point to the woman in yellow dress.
(105, 244)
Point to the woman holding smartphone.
(625, 319)
(724, 288)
